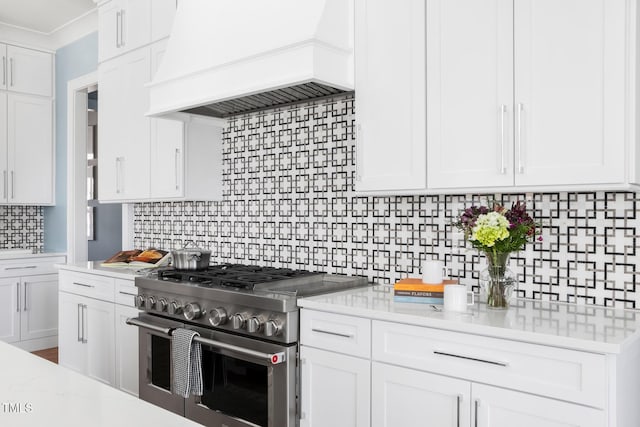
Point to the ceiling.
(43, 16)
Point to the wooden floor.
(51, 354)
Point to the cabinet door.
(108, 31)
(10, 310)
(4, 172)
(391, 102)
(496, 407)
(71, 351)
(3, 66)
(470, 93)
(126, 337)
(167, 146)
(123, 25)
(99, 336)
(30, 150)
(29, 71)
(404, 397)
(335, 389)
(569, 91)
(39, 317)
(123, 172)
(109, 139)
(162, 14)
(136, 23)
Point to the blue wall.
(72, 61)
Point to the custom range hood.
(226, 57)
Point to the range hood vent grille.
(274, 98)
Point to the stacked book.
(414, 290)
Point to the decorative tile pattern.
(288, 200)
(22, 227)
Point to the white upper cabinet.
(390, 95)
(26, 70)
(525, 93)
(123, 172)
(569, 91)
(26, 126)
(123, 25)
(470, 93)
(29, 167)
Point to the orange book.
(416, 284)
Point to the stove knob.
(174, 308)
(140, 301)
(218, 316)
(254, 324)
(151, 302)
(161, 305)
(239, 320)
(272, 328)
(192, 311)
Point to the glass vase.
(497, 281)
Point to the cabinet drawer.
(548, 371)
(126, 292)
(89, 285)
(336, 332)
(30, 266)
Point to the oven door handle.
(273, 358)
(137, 322)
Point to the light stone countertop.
(579, 327)
(94, 267)
(26, 253)
(35, 392)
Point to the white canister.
(456, 298)
(433, 272)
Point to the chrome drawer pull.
(82, 284)
(21, 268)
(475, 359)
(128, 293)
(320, 331)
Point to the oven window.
(161, 362)
(235, 387)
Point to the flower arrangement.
(497, 232)
(498, 229)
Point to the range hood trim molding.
(306, 61)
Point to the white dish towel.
(187, 363)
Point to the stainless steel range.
(248, 322)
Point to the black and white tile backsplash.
(22, 227)
(289, 201)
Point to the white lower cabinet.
(126, 350)
(357, 371)
(86, 339)
(94, 338)
(335, 389)
(405, 397)
(28, 311)
(497, 407)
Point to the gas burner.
(231, 275)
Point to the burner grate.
(231, 275)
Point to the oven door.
(155, 376)
(246, 382)
(243, 383)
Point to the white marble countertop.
(94, 267)
(26, 253)
(579, 327)
(35, 392)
